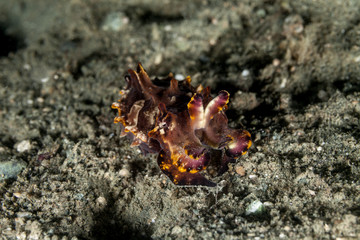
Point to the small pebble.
(23, 214)
(23, 146)
(245, 73)
(240, 170)
(101, 201)
(312, 193)
(253, 177)
(276, 62)
(115, 21)
(255, 208)
(10, 169)
(124, 173)
(44, 80)
(357, 59)
(17, 194)
(176, 230)
(287, 228)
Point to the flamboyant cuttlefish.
(183, 124)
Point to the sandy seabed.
(292, 69)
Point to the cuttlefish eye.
(239, 144)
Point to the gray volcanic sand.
(292, 69)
